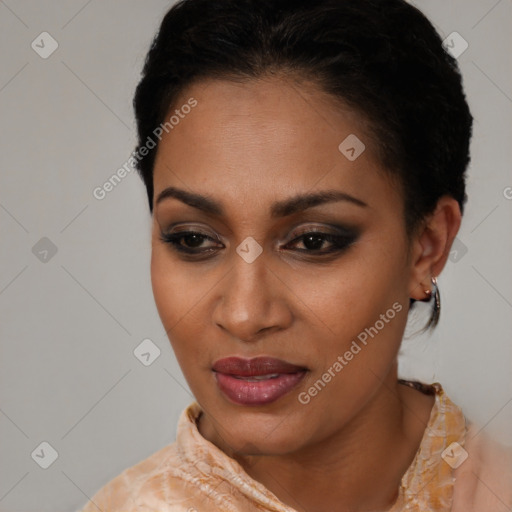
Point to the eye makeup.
(315, 240)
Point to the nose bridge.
(250, 301)
(248, 287)
(250, 261)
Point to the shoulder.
(162, 482)
(458, 467)
(138, 485)
(483, 481)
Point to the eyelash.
(339, 242)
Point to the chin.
(251, 432)
(251, 443)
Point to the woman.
(305, 169)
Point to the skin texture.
(246, 145)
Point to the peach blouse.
(456, 468)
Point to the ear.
(431, 246)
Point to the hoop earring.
(436, 310)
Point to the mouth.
(257, 381)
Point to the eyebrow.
(281, 208)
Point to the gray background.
(71, 320)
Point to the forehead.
(249, 142)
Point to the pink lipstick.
(257, 381)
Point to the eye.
(315, 242)
(189, 242)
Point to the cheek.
(362, 320)
(359, 309)
(351, 296)
(179, 294)
(175, 296)
(166, 285)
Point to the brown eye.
(192, 239)
(322, 242)
(187, 241)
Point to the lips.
(256, 366)
(257, 381)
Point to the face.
(320, 284)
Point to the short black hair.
(383, 58)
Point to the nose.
(252, 301)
